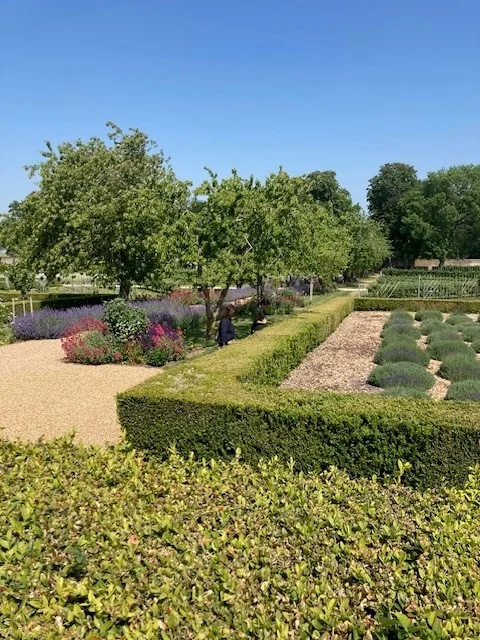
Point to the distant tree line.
(438, 217)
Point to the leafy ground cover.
(107, 545)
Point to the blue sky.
(309, 85)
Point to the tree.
(21, 278)
(211, 236)
(369, 249)
(385, 196)
(100, 207)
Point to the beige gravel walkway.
(344, 361)
(40, 395)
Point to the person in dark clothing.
(226, 329)
(259, 319)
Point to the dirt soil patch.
(344, 361)
(41, 396)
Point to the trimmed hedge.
(417, 304)
(229, 399)
(101, 544)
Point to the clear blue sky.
(310, 84)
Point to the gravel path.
(42, 396)
(344, 361)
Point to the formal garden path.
(43, 396)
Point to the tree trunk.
(125, 288)
(223, 295)
(210, 317)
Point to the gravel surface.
(344, 361)
(43, 396)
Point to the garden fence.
(427, 286)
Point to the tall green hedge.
(417, 304)
(229, 399)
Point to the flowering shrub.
(184, 296)
(125, 321)
(163, 344)
(4, 313)
(86, 324)
(91, 347)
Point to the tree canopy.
(438, 217)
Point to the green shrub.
(433, 326)
(406, 392)
(106, 544)
(476, 345)
(399, 321)
(460, 367)
(401, 330)
(442, 336)
(402, 353)
(428, 314)
(471, 332)
(439, 349)
(458, 318)
(124, 321)
(6, 335)
(401, 374)
(401, 313)
(393, 339)
(464, 390)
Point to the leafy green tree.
(21, 278)
(369, 248)
(100, 207)
(385, 197)
(211, 237)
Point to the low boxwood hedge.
(417, 304)
(104, 544)
(230, 398)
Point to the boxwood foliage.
(104, 544)
(417, 304)
(460, 367)
(230, 398)
(401, 353)
(464, 390)
(429, 314)
(401, 374)
(439, 349)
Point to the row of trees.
(438, 217)
(116, 209)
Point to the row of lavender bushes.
(49, 324)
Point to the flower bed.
(47, 324)
(126, 334)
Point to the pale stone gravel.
(344, 361)
(41, 396)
